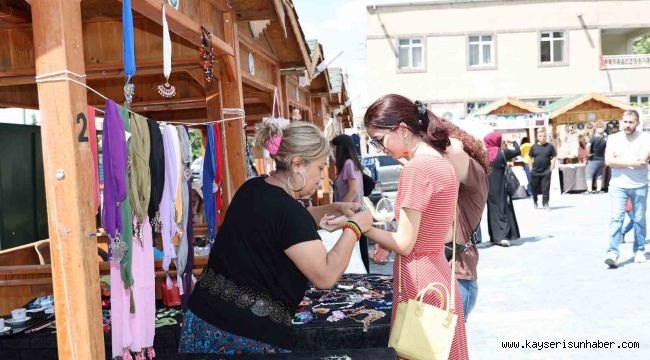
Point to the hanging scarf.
(157, 168)
(178, 203)
(186, 174)
(126, 237)
(140, 176)
(167, 210)
(493, 144)
(209, 173)
(92, 137)
(187, 273)
(128, 48)
(217, 179)
(114, 157)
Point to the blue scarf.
(127, 39)
(209, 172)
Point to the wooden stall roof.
(321, 82)
(102, 36)
(507, 105)
(567, 104)
(339, 95)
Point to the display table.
(352, 301)
(573, 178)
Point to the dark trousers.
(541, 185)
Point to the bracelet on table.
(356, 232)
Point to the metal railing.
(624, 61)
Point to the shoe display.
(612, 259)
(639, 257)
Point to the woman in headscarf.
(502, 222)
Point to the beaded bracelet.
(356, 232)
(355, 224)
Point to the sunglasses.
(379, 143)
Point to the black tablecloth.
(353, 292)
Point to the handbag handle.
(453, 269)
(434, 287)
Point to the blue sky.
(341, 24)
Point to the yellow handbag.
(422, 331)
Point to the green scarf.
(127, 232)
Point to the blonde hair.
(298, 139)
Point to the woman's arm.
(402, 241)
(337, 209)
(324, 268)
(510, 154)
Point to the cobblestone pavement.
(553, 286)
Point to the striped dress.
(428, 184)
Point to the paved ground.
(552, 285)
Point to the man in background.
(543, 158)
(627, 154)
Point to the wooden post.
(58, 45)
(233, 131)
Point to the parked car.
(384, 169)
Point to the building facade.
(459, 55)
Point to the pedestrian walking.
(627, 155)
(502, 221)
(543, 158)
(596, 161)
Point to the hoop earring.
(304, 182)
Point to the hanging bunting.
(128, 51)
(207, 54)
(166, 90)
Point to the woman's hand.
(379, 255)
(332, 222)
(347, 208)
(363, 219)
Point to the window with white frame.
(481, 50)
(551, 47)
(541, 103)
(640, 99)
(411, 53)
(475, 105)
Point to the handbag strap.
(452, 291)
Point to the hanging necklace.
(166, 90)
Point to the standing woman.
(348, 186)
(425, 201)
(268, 250)
(502, 222)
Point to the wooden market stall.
(510, 116)
(580, 115)
(71, 44)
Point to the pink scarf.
(493, 144)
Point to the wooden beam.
(250, 80)
(304, 51)
(13, 15)
(180, 24)
(234, 135)
(253, 15)
(162, 105)
(67, 160)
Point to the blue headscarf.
(127, 40)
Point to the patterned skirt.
(200, 337)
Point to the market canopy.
(507, 105)
(587, 107)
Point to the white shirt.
(622, 147)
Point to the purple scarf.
(114, 156)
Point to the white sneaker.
(639, 257)
(611, 259)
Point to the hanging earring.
(289, 181)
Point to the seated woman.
(267, 250)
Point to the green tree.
(642, 46)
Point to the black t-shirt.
(262, 221)
(597, 149)
(542, 155)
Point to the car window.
(387, 161)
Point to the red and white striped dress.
(428, 184)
